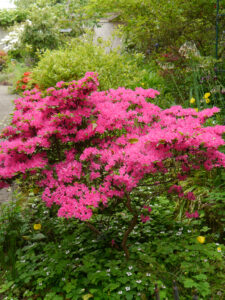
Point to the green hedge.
(82, 56)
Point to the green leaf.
(189, 283)
(6, 286)
(38, 236)
(133, 141)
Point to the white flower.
(29, 22)
(63, 279)
(130, 267)
(67, 251)
(129, 273)
(127, 288)
(108, 270)
(148, 274)
(179, 233)
(120, 292)
(12, 40)
(138, 281)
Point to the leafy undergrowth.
(46, 257)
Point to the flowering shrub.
(25, 83)
(12, 40)
(3, 59)
(91, 150)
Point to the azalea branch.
(56, 142)
(93, 228)
(132, 224)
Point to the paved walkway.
(6, 108)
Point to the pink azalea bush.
(91, 149)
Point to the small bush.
(82, 56)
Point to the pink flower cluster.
(90, 147)
(193, 215)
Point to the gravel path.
(6, 108)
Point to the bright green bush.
(9, 17)
(73, 61)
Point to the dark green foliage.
(149, 26)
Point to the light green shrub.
(82, 56)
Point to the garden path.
(6, 108)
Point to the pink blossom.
(190, 196)
(148, 208)
(194, 215)
(144, 218)
(72, 135)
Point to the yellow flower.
(37, 226)
(207, 100)
(87, 296)
(201, 239)
(142, 83)
(196, 109)
(207, 95)
(192, 100)
(219, 249)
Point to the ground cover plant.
(46, 257)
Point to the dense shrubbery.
(148, 26)
(9, 17)
(81, 56)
